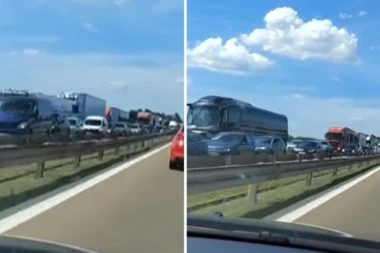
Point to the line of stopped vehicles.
(36, 118)
(227, 126)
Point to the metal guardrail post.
(117, 150)
(253, 191)
(227, 160)
(77, 161)
(309, 178)
(40, 170)
(335, 173)
(299, 158)
(100, 155)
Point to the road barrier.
(234, 171)
(39, 155)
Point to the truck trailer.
(84, 104)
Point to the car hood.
(10, 117)
(256, 226)
(32, 245)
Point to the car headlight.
(23, 125)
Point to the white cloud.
(119, 2)
(286, 34)
(296, 96)
(117, 78)
(375, 47)
(231, 57)
(30, 51)
(29, 39)
(26, 52)
(89, 26)
(336, 79)
(345, 16)
(362, 13)
(307, 115)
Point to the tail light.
(179, 139)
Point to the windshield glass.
(259, 141)
(282, 77)
(203, 116)
(18, 106)
(227, 137)
(334, 136)
(93, 122)
(73, 76)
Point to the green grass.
(273, 195)
(18, 183)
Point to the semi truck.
(116, 115)
(339, 137)
(84, 105)
(371, 142)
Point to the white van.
(96, 124)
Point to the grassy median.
(273, 195)
(18, 183)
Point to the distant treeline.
(301, 138)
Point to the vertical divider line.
(185, 79)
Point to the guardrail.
(234, 171)
(41, 154)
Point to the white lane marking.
(32, 211)
(294, 215)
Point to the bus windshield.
(334, 136)
(203, 116)
(19, 106)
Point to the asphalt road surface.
(139, 210)
(355, 211)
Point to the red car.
(176, 151)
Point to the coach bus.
(213, 114)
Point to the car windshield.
(262, 140)
(18, 106)
(203, 116)
(93, 122)
(227, 137)
(281, 75)
(74, 75)
(334, 136)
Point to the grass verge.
(273, 195)
(17, 184)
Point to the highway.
(139, 209)
(355, 211)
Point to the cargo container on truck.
(115, 115)
(362, 139)
(84, 104)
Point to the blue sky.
(128, 52)
(315, 61)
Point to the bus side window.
(234, 114)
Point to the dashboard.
(203, 245)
